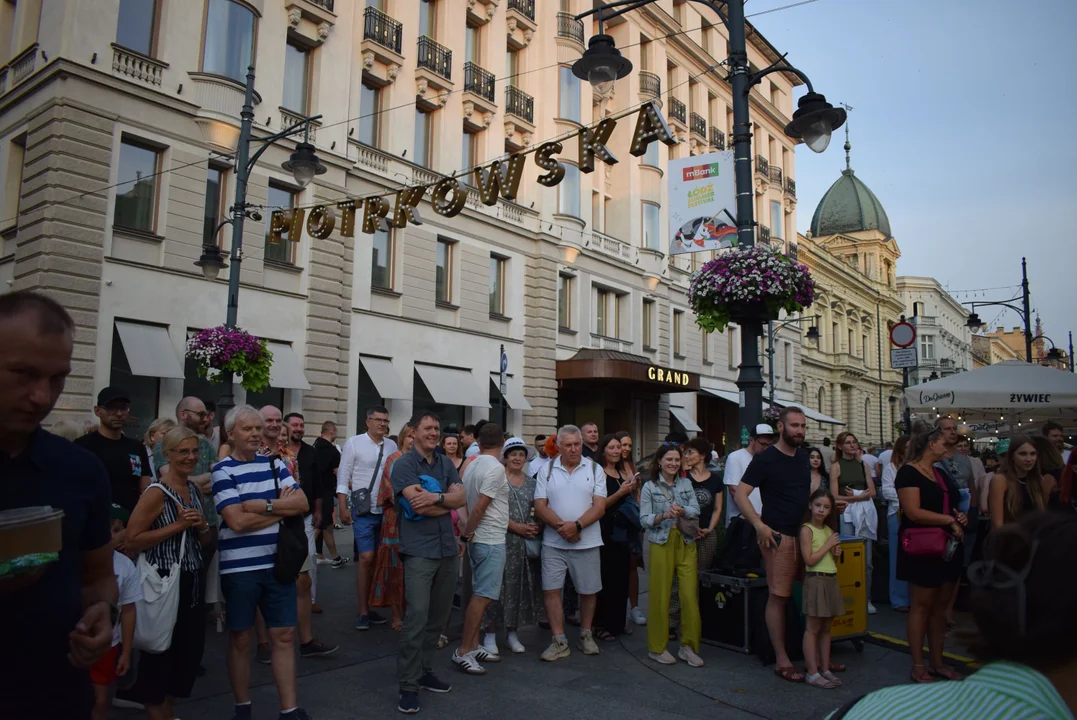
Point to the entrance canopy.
(590, 364)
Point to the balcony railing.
(569, 27)
(776, 175)
(382, 29)
(649, 84)
(791, 186)
(327, 4)
(520, 104)
(23, 65)
(699, 124)
(478, 81)
(677, 110)
(717, 138)
(601, 342)
(793, 252)
(289, 118)
(762, 235)
(137, 66)
(612, 246)
(524, 7)
(435, 57)
(762, 166)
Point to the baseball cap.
(112, 392)
(763, 429)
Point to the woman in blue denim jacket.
(663, 499)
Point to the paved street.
(359, 680)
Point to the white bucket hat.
(517, 444)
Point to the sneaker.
(297, 714)
(338, 526)
(490, 645)
(689, 656)
(241, 712)
(376, 619)
(483, 655)
(558, 649)
(587, 643)
(316, 649)
(515, 645)
(468, 663)
(129, 704)
(871, 609)
(362, 622)
(638, 617)
(263, 654)
(339, 562)
(430, 682)
(663, 658)
(322, 560)
(408, 702)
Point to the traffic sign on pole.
(902, 335)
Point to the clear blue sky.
(962, 126)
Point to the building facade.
(117, 123)
(991, 348)
(853, 257)
(943, 339)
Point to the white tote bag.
(155, 613)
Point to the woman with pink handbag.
(929, 556)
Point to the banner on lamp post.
(702, 203)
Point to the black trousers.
(611, 613)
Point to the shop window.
(199, 387)
(282, 251)
(136, 192)
(229, 40)
(137, 25)
(270, 396)
(145, 390)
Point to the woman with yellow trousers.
(669, 512)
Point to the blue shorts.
(367, 529)
(487, 569)
(251, 590)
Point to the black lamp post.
(814, 122)
(304, 166)
(1053, 357)
(974, 323)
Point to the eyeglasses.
(117, 409)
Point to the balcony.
(325, 4)
(601, 342)
(650, 85)
(762, 167)
(776, 175)
(137, 66)
(289, 118)
(611, 246)
(520, 23)
(22, 66)
(520, 104)
(479, 81)
(382, 29)
(524, 7)
(435, 57)
(717, 139)
(677, 111)
(698, 125)
(762, 234)
(569, 27)
(793, 253)
(790, 187)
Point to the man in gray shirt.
(427, 489)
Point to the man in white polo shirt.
(737, 462)
(570, 498)
(361, 466)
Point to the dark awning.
(598, 365)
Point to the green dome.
(849, 206)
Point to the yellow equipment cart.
(852, 577)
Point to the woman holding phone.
(618, 531)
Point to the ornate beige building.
(852, 255)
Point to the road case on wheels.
(852, 577)
(725, 605)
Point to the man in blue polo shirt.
(245, 493)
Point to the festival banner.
(702, 203)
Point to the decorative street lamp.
(974, 323)
(814, 122)
(304, 166)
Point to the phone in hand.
(777, 537)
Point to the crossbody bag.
(292, 547)
(928, 542)
(688, 527)
(361, 497)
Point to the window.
(369, 114)
(427, 19)
(136, 194)
(564, 302)
(651, 228)
(705, 36)
(12, 186)
(569, 96)
(443, 273)
(296, 72)
(136, 26)
(214, 197)
(145, 391)
(678, 326)
(705, 339)
(282, 252)
(512, 65)
(864, 349)
(788, 350)
(650, 155)
(568, 192)
(927, 347)
(597, 223)
(776, 220)
(229, 45)
(381, 261)
(648, 324)
(852, 342)
(472, 45)
(644, 54)
(835, 338)
(603, 321)
(469, 155)
(497, 285)
(423, 144)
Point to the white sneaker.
(321, 560)
(663, 658)
(871, 609)
(515, 645)
(489, 644)
(689, 656)
(468, 663)
(129, 704)
(638, 617)
(483, 655)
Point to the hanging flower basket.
(771, 414)
(217, 350)
(755, 283)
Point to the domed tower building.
(852, 255)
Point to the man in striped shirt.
(245, 493)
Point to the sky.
(962, 126)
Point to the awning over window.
(286, 371)
(811, 414)
(728, 396)
(685, 419)
(452, 386)
(385, 378)
(149, 350)
(514, 392)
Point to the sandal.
(788, 673)
(604, 636)
(923, 677)
(832, 678)
(819, 681)
(946, 673)
(835, 667)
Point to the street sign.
(902, 357)
(902, 335)
(504, 362)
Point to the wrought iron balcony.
(435, 57)
(699, 124)
(762, 235)
(762, 166)
(569, 27)
(717, 138)
(382, 29)
(791, 186)
(776, 175)
(520, 104)
(478, 81)
(677, 110)
(793, 252)
(649, 84)
(524, 7)
(326, 4)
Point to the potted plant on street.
(217, 350)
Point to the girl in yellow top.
(822, 596)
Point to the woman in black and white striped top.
(168, 526)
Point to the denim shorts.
(487, 569)
(246, 592)
(367, 529)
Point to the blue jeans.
(899, 589)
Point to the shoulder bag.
(688, 527)
(928, 542)
(532, 546)
(292, 547)
(156, 611)
(361, 497)
(626, 525)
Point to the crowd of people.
(231, 521)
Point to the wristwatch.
(579, 528)
(441, 498)
(269, 508)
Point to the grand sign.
(592, 366)
(670, 377)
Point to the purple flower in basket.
(220, 349)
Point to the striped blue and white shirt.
(235, 481)
(1000, 691)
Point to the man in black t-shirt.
(327, 461)
(783, 475)
(125, 459)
